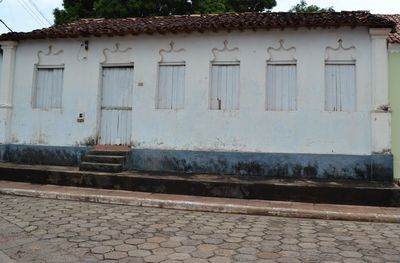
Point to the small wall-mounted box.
(140, 84)
(81, 117)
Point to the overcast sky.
(20, 15)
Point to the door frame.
(100, 92)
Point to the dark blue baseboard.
(375, 167)
(44, 155)
(3, 149)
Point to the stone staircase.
(109, 159)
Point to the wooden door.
(116, 106)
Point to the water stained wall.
(43, 155)
(376, 167)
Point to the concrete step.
(260, 188)
(100, 167)
(109, 153)
(106, 159)
(90, 158)
(112, 148)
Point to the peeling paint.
(385, 108)
(89, 141)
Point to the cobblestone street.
(42, 230)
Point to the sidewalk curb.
(301, 190)
(205, 206)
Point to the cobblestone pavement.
(41, 230)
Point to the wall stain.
(310, 171)
(364, 167)
(44, 155)
(248, 168)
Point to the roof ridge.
(200, 23)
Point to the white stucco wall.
(310, 129)
(1, 63)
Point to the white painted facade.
(304, 126)
(1, 63)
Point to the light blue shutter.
(171, 87)
(281, 87)
(340, 87)
(225, 87)
(48, 92)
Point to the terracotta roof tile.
(201, 23)
(394, 37)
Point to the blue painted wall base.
(375, 167)
(3, 148)
(43, 155)
(360, 167)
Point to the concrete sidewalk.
(6, 259)
(205, 204)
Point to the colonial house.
(273, 94)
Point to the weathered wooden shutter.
(225, 83)
(48, 88)
(281, 87)
(340, 87)
(171, 87)
(117, 87)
